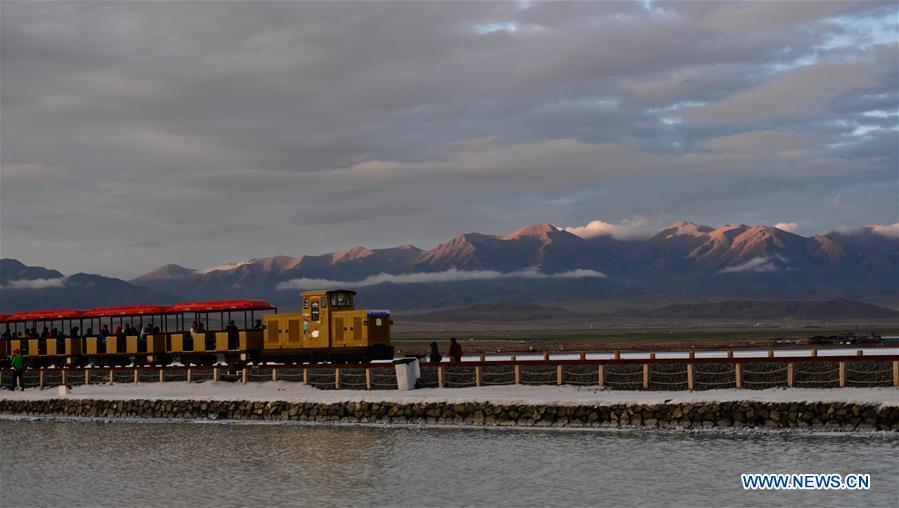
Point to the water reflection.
(71, 463)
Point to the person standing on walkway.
(434, 355)
(455, 350)
(18, 365)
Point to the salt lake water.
(93, 463)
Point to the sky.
(199, 133)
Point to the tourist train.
(327, 328)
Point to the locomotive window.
(340, 300)
(315, 314)
(378, 322)
(305, 303)
(324, 302)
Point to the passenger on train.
(200, 327)
(455, 350)
(120, 334)
(189, 340)
(233, 335)
(259, 325)
(104, 333)
(142, 340)
(42, 341)
(75, 332)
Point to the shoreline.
(801, 409)
(712, 431)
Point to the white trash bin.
(407, 372)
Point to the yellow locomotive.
(327, 328)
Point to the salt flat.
(501, 395)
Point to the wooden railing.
(616, 372)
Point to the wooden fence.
(621, 373)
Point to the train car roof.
(126, 310)
(220, 306)
(43, 315)
(319, 291)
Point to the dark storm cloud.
(136, 134)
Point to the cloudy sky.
(137, 134)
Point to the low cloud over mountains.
(541, 263)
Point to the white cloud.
(451, 275)
(35, 283)
(759, 264)
(789, 227)
(891, 230)
(579, 273)
(629, 228)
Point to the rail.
(690, 373)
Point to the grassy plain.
(609, 335)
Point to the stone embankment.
(840, 416)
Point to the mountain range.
(25, 287)
(539, 264)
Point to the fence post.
(546, 356)
(368, 377)
(518, 374)
(646, 376)
(814, 352)
(274, 374)
(189, 375)
(617, 355)
(135, 376)
(477, 376)
(738, 373)
(790, 374)
(730, 354)
(842, 374)
(63, 377)
(215, 373)
(111, 378)
(337, 378)
(483, 358)
(690, 376)
(583, 356)
(87, 379)
(440, 376)
(41, 381)
(601, 375)
(161, 374)
(243, 376)
(559, 370)
(770, 353)
(305, 376)
(896, 373)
